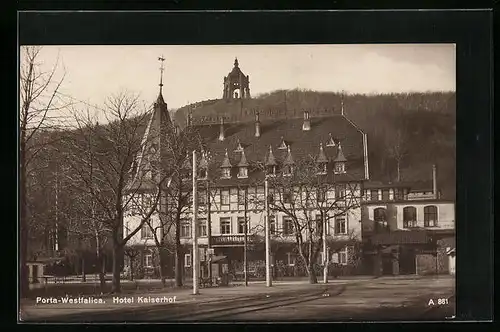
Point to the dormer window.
(203, 174)
(339, 167)
(271, 170)
(226, 173)
(243, 172)
(287, 170)
(322, 169)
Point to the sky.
(194, 73)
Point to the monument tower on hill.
(236, 84)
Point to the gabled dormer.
(340, 161)
(321, 160)
(331, 142)
(283, 145)
(226, 167)
(288, 163)
(243, 166)
(270, 163)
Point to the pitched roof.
(321, 155)
(243, 161)
(226, 163)
(303, 144)
(340, 154)
(270, 160)
(288, 159)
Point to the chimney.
(221, 133)
(257, 125)
(307, 122)
(434, 182)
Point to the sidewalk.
(31, 310)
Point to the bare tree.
(102, 169)
(396, 141)
(39, 100)
(309, 199)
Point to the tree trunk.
(84, 276)
(116, 287)
(312, 273)
(162, 268)
(399, 170)
(102, 272)
(178, 256)
(132, 261)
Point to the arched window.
(430, 216)
(380, 218)
(409, 217)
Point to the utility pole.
(196, 258)
(325, 249)
(245, 250)
(268, 237)
(209, 234)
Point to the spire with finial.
(288, 159)
(243, 161)
(226, 163)
(340, 155)
(271, 161)
(236, 62)
(321, 155)
(162, 68)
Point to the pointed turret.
(270, 160)
(243, 160)
(226, 163)
(340, 155)
(321, 155)
(288, 159)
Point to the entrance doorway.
(407, 258)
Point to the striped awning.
(401, 237)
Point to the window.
(340, 225)
(243, 172)
(241, 225)
(225, 225)
(272, 225)
(321, 168)
(290, 259)
(187, 260)
(203, 173)
(185, 229)
(374, 195)
(148, 259)
(342, 256)
(340, 191)
(380, 218)
(241, 197)
(385, 194)
(287, 226)
(271, 170)
(319, 224)
(339, 167)
(146, 232)
(224, 197)
(287, 197)
(430, 216)
(321, 194)
(409, 217)
(202, 227)
(226, 173)
(398, 194)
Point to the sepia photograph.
(237, 183)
